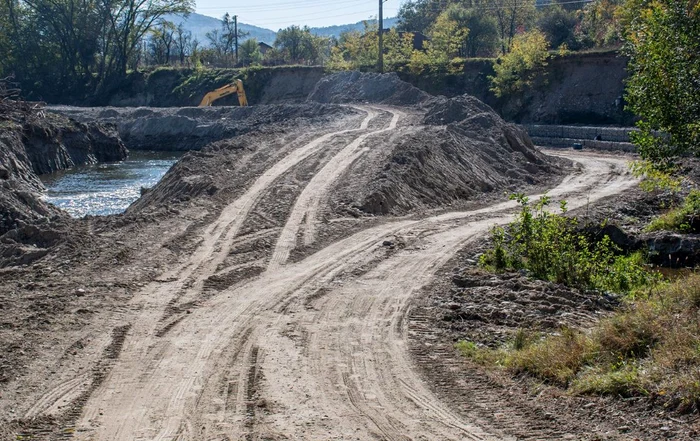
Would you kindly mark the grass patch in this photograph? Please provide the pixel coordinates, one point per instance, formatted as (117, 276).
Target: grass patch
(651, 347)
(683, 219)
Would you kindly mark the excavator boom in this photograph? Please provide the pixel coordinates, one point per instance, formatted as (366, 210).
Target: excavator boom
(221, 92)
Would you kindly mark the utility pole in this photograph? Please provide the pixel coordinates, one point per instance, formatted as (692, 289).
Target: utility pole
(380, 65)
(235, 30)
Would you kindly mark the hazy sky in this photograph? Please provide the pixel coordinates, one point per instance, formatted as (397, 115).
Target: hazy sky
(276, 14)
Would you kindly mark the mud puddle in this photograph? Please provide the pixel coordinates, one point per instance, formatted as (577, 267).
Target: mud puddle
(105, 189)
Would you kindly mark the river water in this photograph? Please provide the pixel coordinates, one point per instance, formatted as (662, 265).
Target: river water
(105, 189)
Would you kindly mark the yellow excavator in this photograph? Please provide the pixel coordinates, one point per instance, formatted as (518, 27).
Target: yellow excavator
(236, 87)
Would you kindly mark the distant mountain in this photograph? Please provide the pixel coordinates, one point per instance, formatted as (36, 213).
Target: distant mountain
(200, 24)
(335, 31)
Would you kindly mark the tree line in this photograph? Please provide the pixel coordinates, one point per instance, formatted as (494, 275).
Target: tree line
(68, 46)
(61, 48)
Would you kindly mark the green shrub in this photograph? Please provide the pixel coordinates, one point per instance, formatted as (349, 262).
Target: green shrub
(517, 69)
(550, 248)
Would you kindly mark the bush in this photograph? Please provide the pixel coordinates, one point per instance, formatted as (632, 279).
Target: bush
(517, 69)
(549, 247)
(558, 25)
(662, 41)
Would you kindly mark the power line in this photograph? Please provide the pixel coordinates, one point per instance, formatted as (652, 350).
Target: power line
(291, 19)
(321, 15)
(521, 6)
(285, 6)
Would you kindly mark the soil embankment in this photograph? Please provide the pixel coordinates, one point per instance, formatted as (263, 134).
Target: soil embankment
(186, 87)
(574, 89)
(568, 91)
(192, 128)
(37, 143)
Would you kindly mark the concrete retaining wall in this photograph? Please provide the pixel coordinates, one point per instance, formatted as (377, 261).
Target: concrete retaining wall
(599, 138)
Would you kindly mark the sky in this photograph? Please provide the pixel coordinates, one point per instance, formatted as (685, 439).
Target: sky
(276, 14)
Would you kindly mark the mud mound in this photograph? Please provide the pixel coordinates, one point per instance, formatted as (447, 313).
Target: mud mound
(349, 87)
(192, 128)
(463, 150)
(441, 110)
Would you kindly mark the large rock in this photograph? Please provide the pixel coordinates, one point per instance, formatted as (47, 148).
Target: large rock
(673, 250)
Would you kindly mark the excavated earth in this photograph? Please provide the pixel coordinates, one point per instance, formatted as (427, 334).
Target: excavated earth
(273, 285)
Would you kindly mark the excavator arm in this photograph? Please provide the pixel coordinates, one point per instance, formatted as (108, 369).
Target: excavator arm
(221, 92)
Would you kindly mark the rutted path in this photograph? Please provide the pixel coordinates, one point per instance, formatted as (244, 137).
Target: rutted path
(309, 350)
(306, 206)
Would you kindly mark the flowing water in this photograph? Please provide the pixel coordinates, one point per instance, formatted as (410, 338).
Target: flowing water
(104, 189)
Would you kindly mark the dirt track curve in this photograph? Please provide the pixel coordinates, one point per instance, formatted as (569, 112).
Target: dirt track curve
(312, 350)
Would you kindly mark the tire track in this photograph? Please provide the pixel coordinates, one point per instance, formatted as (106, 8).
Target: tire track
(357, 334)
(160, 388)
(307, 204)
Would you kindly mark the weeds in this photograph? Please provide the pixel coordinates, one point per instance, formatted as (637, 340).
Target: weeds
(683, 219)
(656, 176)
(550, 248)
(649, 348)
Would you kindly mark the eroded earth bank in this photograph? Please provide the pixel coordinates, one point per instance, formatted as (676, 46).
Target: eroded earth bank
(271, 285)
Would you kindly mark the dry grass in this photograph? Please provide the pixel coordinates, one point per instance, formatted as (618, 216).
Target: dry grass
(557, 358)
(650, 347)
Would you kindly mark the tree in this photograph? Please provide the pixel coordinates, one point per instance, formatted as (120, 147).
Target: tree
(518, 68)
(663, 42)
(510, 15)
(559, 26)
(250, 52)
(419, 15)
(162, 42)
(482, 38)
(183, 43)
(446, 40)
(7, 60)
(223, 41)
(357, 50)
(600, 25)
(399, 48)
(299, 45)
(128, 21)
(63, 33)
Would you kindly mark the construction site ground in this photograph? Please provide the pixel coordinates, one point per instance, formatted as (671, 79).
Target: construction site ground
(250, 297)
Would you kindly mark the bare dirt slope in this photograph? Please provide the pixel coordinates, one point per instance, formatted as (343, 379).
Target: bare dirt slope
(188, 318)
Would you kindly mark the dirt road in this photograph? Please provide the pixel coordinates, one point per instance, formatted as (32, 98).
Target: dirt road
(312, 350)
